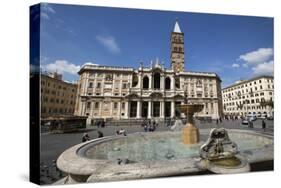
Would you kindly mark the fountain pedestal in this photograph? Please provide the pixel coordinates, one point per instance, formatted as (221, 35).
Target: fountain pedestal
(190, 134)
(190, 131)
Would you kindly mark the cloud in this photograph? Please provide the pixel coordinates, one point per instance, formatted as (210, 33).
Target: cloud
(46, 10)
(245, 65)
(266, 68)
(235, 65)
(90, 63)
(62, 66)
(45, 15)
(261, 55)
(45, 7)
(109, 42)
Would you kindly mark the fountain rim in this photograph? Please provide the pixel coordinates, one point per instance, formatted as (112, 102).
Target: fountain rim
(197, 107)
(87, 166)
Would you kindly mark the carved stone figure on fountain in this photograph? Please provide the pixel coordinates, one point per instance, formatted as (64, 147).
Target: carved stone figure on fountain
(218, 145)
(220, 155)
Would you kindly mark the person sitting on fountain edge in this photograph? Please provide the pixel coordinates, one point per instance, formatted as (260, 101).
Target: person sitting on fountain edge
(85, 137)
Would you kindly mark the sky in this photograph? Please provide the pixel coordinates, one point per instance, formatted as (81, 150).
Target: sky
(234, 47)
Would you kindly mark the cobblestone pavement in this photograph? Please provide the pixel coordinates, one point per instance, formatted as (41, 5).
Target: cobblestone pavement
(52, 145)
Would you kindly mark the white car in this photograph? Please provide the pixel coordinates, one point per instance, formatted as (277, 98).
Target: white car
(252, 118)
(245, 121)
(270, 118)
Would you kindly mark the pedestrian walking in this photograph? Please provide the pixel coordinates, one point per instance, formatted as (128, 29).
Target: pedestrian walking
(263, 125)
(169, 122)
(103, 124)
(145, 128)
(251, 124)
(154, 127)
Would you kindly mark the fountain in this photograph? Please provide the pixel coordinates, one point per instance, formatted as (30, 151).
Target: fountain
(169, 153)
(190, 131)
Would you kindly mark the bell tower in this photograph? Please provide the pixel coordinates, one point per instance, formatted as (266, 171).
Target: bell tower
(177, 49)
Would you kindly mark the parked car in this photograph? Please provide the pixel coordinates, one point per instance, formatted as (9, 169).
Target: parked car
(245, 121)
(262, 117)
(252, 118)
(270, 118)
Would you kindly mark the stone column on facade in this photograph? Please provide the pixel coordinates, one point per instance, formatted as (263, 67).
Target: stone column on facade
(215, 111)
(149, 110)
(172, 83)
(162, 84)
(87, 83)
(113, 86)
(216, 106)
(92, 110)
(183, 114)
(126, 109)
(100, 107)
(102, 83)
(83, 110)
(150, 81)
(119, 109)
(79, 103)
(139, 81)
(162, 106)
(111, 108)
(204, 108)
(138, 109)
(172, 109)
(84, 86)
(95, 83)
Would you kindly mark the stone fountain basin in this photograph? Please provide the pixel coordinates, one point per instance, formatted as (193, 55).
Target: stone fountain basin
(191, 108)
(149, 155)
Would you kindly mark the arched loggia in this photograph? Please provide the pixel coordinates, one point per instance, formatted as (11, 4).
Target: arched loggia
(145, 82)
(156, 80)
(167, 83)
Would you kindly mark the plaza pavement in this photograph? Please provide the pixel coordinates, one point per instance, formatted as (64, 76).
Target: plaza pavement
(52, 145)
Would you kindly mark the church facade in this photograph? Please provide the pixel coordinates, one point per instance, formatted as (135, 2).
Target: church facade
(147, 92)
